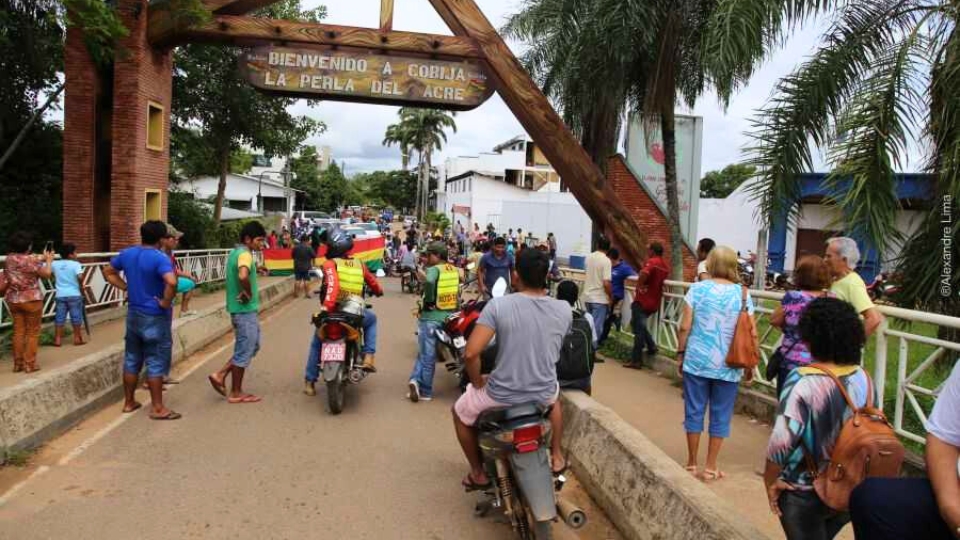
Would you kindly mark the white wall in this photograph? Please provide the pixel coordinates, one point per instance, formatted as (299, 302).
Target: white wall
(729, 222)
(238, 189)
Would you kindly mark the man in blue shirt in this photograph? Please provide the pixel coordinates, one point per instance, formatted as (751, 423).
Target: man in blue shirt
(620, 272)
(494, 265)
(151, 284)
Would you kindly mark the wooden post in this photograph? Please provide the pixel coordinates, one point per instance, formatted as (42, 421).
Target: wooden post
(386, 15)
(542, 122)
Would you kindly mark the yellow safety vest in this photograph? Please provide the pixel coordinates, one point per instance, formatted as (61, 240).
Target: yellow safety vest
(448, 288)
(350, 273)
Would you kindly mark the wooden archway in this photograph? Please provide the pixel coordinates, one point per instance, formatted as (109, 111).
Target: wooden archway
(153, 35)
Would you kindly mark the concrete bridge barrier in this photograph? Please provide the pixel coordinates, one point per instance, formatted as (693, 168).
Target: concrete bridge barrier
(41, 407)
(645, 493)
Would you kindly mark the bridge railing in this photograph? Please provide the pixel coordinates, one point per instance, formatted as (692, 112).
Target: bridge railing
(208, 265)
(904, 353)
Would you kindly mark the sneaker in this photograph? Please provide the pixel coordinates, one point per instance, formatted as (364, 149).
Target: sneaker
(426, 398)
(414, 393)
(309, 388)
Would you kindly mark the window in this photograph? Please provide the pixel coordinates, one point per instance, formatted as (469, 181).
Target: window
(151, 204)
(155, 118)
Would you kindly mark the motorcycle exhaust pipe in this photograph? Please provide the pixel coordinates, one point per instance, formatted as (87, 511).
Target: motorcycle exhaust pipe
(572, 515)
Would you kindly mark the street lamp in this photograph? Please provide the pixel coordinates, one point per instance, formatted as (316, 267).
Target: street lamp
(282, 173)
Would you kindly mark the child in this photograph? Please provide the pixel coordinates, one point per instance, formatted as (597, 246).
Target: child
(67, 272)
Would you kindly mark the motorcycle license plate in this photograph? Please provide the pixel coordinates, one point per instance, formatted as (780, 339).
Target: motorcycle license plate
(459, 342)
(333, 352)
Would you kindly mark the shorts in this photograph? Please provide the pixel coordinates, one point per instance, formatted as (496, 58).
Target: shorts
(301, 276)
(185, 285)
(474, 402)
(701, 393)
(246, 331)
(72, 305)
(147, 341)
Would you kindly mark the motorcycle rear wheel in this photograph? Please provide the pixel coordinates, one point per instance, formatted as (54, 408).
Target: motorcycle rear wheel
(335, 390)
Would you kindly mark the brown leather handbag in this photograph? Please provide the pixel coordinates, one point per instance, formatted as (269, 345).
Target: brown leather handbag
(744, 350)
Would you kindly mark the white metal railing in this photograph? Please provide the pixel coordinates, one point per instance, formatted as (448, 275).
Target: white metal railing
(915, 380)
(208, 265)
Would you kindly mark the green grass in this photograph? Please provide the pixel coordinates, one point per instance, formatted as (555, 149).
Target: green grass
(14, 458)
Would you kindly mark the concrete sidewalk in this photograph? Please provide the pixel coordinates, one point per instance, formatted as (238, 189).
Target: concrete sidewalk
(103, 335)
(653, 404)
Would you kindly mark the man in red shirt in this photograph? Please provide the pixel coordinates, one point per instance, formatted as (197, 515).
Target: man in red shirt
(344, 276)
(647, 302)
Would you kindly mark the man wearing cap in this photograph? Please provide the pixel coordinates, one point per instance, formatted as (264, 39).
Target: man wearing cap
(441, 293)
(186, 281)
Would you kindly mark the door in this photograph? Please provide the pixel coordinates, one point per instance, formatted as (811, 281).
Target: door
(812, 242)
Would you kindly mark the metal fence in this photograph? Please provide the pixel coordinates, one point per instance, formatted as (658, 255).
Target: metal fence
(917, 381)
(207, 265)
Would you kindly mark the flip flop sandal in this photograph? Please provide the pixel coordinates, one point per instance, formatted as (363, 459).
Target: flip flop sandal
(470, 485)
(135, 408)
(566, 465)
(712, 476)
(692, 469)
(245, 399)
(171, 415)
(218, 386)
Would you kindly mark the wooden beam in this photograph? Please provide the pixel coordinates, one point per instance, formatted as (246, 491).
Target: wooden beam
(251, 30)
(386, 15)
(547, 129)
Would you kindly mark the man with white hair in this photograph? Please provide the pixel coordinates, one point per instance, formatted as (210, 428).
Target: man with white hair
(842, 257)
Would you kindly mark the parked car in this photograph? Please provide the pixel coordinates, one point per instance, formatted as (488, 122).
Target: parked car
(314, 215)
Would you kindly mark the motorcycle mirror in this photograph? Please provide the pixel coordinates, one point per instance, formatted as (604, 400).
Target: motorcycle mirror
(499, 288)
(381, 273)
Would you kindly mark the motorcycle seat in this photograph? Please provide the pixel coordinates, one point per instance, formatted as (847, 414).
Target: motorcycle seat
(504, 417)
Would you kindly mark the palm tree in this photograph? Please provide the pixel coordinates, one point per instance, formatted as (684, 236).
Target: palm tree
(396, 134)
(423, 130)
(598, 58)
(888, 72)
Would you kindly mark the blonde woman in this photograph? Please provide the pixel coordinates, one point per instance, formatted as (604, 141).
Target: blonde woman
(709, 320)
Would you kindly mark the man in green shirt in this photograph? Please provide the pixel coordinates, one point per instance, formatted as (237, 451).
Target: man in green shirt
(842, 257)
(440, 298)
(243, 303)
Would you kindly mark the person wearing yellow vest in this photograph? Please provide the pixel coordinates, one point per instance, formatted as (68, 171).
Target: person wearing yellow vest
(343, 277)
(441, 293)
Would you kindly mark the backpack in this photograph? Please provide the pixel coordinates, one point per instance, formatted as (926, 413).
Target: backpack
(577, 355)
(866, 447)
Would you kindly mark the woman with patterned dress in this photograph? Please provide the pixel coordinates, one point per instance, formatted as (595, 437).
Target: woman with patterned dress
(25, 299)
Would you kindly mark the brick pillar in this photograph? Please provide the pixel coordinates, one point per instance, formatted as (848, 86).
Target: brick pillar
(79, 144)
(142, 75)
(645, 212)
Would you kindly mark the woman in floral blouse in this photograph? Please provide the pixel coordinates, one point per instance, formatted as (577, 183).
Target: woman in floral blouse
(25, 299)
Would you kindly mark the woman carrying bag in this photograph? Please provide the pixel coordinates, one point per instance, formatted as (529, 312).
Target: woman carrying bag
(717, 322)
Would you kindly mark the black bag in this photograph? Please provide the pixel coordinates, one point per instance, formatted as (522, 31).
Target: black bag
(577, 355)
(776, 360)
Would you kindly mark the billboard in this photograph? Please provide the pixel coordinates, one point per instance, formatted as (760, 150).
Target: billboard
(645, 156)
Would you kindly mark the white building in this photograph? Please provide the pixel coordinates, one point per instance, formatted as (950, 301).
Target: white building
(514, 187)
(243, 193)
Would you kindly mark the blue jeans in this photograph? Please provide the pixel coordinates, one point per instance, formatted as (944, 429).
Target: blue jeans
(805, 517)
(71, 304)
(641, 335)
(702, 392)
(312, 372)
(599, 313)
(246, 332)
(147, 339)
(427, 358)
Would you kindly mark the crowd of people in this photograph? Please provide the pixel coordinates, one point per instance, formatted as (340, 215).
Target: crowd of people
(817, 367)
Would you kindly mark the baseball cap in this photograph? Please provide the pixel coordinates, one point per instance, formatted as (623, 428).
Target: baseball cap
(172, 231)
(437, 248)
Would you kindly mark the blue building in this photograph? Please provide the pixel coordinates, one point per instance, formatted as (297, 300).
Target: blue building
(818, 222)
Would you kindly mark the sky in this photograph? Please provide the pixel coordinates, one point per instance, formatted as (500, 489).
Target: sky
(355, 131)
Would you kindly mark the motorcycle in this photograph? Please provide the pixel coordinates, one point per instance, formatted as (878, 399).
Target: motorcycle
(452, 339)
(881, 288)
(745, 269)
(341, 335)
(776, 280)
(514, 444)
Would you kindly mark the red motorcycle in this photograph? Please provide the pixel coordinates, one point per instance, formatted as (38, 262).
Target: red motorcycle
(453, 336)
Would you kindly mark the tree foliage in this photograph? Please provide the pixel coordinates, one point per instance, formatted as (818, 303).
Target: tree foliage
(192, 217)
(306, 178)
(210, 94)
(332, 192)
(720, 184)
(887, 73)
(423, 130)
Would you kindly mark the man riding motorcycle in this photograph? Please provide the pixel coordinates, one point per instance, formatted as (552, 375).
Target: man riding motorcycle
(343, 276)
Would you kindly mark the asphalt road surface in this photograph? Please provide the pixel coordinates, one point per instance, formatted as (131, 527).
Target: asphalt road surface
(280, 469)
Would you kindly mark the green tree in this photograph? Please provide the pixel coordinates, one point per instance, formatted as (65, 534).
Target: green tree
(720, 184)
(241, 161)
(888, 72)
(332, 192)
(425, 131)
(208, 91)
(190, 216)
(399, 134)
(306, 177)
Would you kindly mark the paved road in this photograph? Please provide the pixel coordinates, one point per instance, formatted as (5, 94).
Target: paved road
(283, 468)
